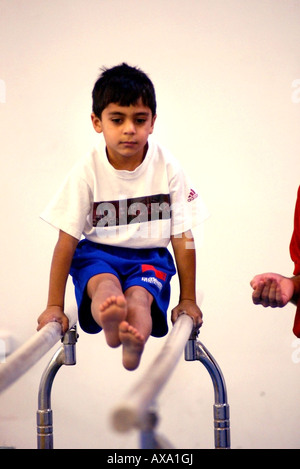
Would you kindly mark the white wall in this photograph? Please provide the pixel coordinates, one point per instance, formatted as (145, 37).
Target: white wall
(228, 107)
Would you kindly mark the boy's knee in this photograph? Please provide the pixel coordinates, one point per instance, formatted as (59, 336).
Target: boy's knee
(100, 279)
(137, 294)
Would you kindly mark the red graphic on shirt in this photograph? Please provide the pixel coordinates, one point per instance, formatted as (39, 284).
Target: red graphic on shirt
(158, 273)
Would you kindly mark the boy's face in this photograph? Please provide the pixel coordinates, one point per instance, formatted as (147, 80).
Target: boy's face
(126, 131)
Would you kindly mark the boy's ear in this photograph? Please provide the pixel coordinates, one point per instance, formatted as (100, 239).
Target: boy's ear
(152, 124)
(96, 123)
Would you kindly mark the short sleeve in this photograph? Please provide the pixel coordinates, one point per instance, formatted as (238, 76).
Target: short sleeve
(187, 206)
(69, 208)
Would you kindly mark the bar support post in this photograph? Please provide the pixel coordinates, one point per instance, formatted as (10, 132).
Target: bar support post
(195, 350)
(65, 355)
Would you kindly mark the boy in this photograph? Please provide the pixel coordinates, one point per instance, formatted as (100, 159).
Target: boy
(128, 198)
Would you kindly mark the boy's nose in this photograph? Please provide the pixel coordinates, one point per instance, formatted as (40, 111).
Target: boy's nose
(129, 127)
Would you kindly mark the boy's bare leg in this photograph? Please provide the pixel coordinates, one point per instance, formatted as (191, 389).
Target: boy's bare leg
(108, 306)
(135, 330)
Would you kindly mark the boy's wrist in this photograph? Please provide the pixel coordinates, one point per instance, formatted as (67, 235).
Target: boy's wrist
(55, 306)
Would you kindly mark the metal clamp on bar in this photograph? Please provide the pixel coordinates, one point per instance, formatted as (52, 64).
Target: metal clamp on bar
(20, 361)
(28, 354)
(65, 355)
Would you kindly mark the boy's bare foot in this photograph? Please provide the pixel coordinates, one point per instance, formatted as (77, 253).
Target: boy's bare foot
(112, 312)
(133, 345)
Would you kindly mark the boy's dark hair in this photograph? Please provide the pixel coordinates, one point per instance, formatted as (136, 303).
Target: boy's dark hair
(123, 85)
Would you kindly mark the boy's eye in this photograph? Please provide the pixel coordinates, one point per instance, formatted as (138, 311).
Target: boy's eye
(119, 120)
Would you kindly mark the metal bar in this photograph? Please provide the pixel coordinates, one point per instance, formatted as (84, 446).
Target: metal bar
(29, 353)
(132, 412)
(195, 350)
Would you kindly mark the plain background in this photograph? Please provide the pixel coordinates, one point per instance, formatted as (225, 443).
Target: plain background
(227, 78)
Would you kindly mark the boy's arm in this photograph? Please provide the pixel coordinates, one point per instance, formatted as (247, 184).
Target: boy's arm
(60, 268)
(185, 257)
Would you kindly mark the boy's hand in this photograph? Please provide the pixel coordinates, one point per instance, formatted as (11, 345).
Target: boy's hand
(191, 309)
(272, 290)
(54, 314)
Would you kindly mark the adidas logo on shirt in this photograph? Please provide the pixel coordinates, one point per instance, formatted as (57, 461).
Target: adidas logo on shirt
(192, 195)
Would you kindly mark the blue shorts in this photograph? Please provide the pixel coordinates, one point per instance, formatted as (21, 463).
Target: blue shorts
(151, 269)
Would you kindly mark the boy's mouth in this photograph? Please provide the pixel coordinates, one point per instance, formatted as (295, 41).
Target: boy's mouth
(129, 143)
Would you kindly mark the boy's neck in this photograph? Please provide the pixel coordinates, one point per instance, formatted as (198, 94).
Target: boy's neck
(126, 163)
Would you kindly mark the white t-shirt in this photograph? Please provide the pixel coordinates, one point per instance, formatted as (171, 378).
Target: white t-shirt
(136, 209)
